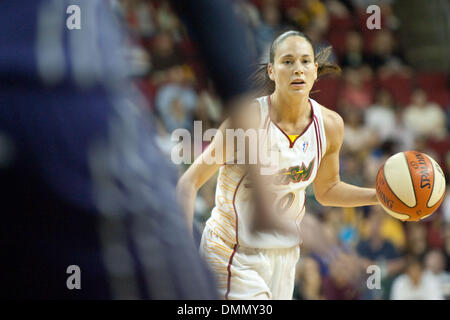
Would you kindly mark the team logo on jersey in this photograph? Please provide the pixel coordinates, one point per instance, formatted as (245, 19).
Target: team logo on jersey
(294, 174)
(305, 146)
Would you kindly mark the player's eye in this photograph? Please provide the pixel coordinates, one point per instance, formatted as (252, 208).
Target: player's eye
(287, 62)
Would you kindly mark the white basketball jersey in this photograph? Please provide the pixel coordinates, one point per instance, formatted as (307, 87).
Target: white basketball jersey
(296, 168)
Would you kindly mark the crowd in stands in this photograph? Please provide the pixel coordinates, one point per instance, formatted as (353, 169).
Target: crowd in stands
(387, 104)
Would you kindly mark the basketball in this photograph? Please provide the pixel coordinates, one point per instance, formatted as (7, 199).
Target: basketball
(410, 186)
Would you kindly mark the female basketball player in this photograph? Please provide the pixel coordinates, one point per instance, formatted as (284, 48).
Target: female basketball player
(307, 137)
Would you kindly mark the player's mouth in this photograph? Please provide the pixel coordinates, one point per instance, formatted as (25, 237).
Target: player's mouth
(298, 83)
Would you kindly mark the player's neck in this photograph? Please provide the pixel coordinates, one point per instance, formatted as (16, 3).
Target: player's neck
(287, 109)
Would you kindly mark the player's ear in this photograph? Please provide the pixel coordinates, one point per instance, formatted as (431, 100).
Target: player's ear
(317, 70)
(270, 72)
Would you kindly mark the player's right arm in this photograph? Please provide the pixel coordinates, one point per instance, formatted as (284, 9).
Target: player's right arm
(200, 172)
(215, 155)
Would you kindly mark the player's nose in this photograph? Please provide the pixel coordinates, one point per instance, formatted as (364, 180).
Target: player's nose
(298, 68)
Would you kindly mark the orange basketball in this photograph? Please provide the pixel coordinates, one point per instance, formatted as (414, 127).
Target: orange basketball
(410, 186)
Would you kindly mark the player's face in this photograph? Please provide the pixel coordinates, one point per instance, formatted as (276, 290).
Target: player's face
(294, 70)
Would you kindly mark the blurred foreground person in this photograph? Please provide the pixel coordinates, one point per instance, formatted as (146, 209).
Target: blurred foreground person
(89, 208)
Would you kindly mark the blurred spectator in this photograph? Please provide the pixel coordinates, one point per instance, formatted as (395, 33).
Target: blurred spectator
(146, 25)
(209, 109)
(383, 54)
(435, 231)
(163, 139)
(356, 92)
(351, 168)
(251, 17)
(363, 4)
(164, 54)
(307, 11)
(341, 282)
(380, 117)
(341, 229)
(416, 234)
(167, 20)
(175, 101)
(415, 284)
(424, 118)
(392, 229)
(353, 55)
(340, 9)
(309, 281)
(446, 205)
(375, 160)
(447, 245)
(269, 27)
(357, 137)
(402, 136)
(316, 35)
(375, 250)
(435, 265)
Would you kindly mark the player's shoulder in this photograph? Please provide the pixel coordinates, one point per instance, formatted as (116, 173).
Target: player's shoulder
(254, 106)
(251, 112)
(332, 121)
(246, 113)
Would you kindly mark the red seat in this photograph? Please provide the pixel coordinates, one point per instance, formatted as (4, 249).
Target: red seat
(399, 86)
(441, 97)
(188, 48)
(432, 80)
(325, 91)
(343, 24)
(337, 39)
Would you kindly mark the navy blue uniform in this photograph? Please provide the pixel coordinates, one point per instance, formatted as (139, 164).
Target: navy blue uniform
(224, 43)
(82, 181)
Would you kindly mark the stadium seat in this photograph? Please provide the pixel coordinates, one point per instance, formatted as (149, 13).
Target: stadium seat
(343, 24)
(440, 96)
(325, 91)
(432, 80)
(337, 39)
(399, 86)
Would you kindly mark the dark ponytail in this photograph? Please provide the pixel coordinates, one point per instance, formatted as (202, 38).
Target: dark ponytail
(264, 85)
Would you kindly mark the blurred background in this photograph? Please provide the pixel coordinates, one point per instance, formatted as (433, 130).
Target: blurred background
(393, 94)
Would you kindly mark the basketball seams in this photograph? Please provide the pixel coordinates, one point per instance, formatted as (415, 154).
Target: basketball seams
(434, 182)
(439, 201)
(390, 190)
(412, 180)
(393, 193)
(422, 200)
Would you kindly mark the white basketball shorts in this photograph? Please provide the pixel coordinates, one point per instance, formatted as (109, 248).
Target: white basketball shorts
(250, 273)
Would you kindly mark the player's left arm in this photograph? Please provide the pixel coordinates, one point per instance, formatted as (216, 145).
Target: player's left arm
(328, 187)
